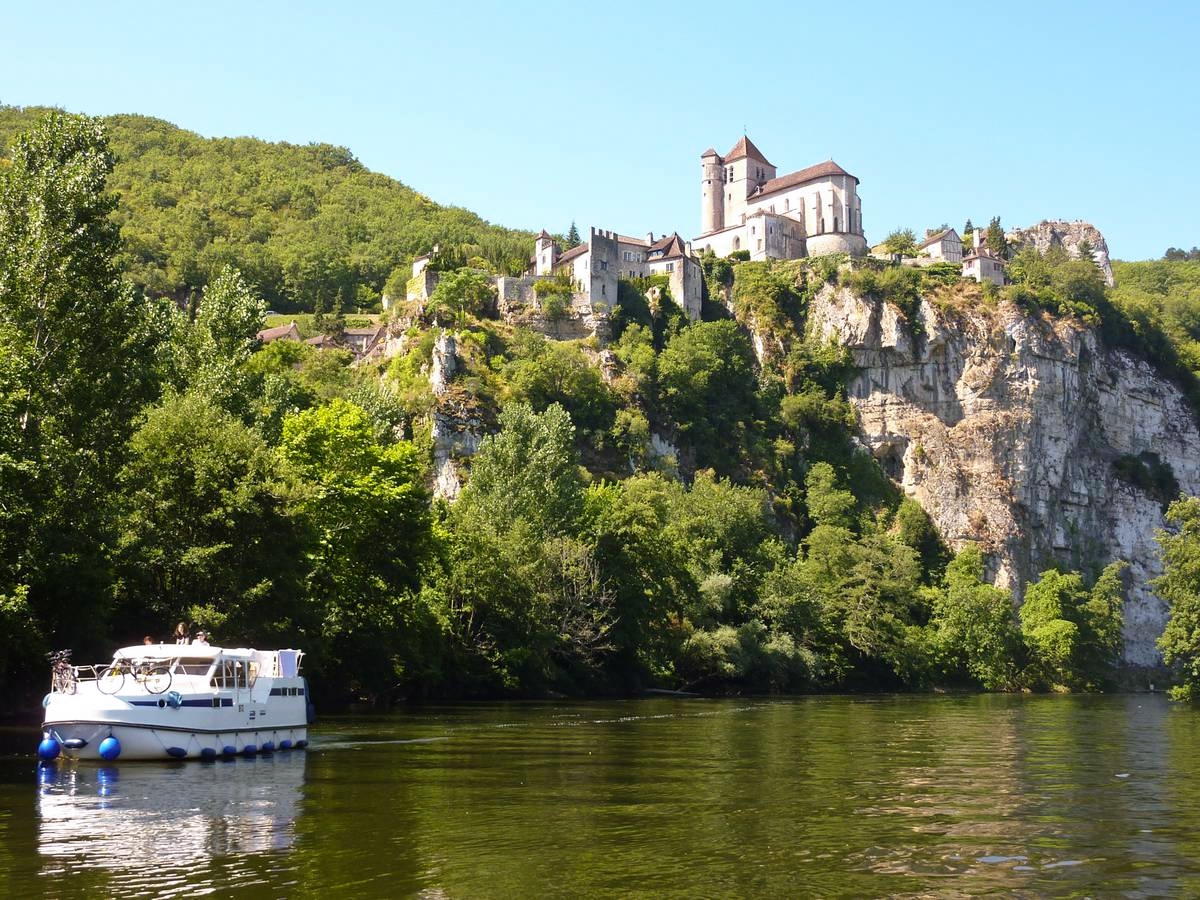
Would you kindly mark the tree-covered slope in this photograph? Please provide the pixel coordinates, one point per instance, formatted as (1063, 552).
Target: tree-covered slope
(310, 226)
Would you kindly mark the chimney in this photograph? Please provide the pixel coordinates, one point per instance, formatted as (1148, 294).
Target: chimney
(649, 237)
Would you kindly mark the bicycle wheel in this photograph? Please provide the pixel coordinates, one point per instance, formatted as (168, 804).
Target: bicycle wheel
(157, 680)
(110, 681)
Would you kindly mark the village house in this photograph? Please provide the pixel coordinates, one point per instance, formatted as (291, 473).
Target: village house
(944, 245)
(287, 332)
(746, 205)
(983, 265)
(596, 265)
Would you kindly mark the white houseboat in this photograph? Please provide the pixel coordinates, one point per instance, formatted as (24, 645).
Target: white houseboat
(181, 701)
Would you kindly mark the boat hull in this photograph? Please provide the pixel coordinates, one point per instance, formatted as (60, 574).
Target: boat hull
(82, 740)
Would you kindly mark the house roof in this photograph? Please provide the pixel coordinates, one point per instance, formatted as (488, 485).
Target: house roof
(279, 331)
(572, 253)
(812, 173)
(745, 148)
(542, 234)
(984, 253)
(709, 152)
(320, 340)
(626, 239)
(934, 238)
(669, 247)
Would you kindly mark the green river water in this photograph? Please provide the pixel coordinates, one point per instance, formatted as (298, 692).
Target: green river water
(864, 796)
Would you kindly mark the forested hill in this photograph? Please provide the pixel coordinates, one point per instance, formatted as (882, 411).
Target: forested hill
(310, 226)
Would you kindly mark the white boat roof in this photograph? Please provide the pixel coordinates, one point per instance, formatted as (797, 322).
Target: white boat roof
(193, 651)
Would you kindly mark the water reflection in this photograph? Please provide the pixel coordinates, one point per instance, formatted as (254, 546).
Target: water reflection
(157, 821)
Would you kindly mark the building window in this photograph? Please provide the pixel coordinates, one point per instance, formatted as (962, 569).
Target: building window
(770, 229)
(670, 267)
(760, 243)
(752, 229)
(628, 256)
(604, 265)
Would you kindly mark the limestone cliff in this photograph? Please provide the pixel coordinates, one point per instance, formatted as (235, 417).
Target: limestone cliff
(1068, 235)
(1008, 429)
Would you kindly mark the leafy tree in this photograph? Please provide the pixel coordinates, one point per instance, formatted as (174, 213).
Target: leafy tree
(1179, 586)
(828, 504)
(205, 529)
(76, 363)
(546, 372)
(461, 294)
(902, 242)
(975, 630)
(1073, 637)
(707, 387)
(369, 513)
(528, 471)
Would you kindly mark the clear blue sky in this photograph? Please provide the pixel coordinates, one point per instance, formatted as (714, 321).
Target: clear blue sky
(534, 115)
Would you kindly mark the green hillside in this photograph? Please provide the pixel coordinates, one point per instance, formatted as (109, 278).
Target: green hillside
(310, 226)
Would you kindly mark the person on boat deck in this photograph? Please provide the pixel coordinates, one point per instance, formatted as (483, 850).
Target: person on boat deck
(201, 638)
(147, 640)
(181, 633)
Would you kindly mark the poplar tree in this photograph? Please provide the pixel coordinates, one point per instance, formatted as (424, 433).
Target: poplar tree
(76, 348)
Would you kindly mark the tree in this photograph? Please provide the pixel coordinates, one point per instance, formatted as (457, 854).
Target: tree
(995, 239)
(828, 504)
(975, 630)
(528, 471)
(461, 294)
(707, 387)
(901, 242)
(573, 236)
(205, 529)
(968, 230)
(1179, 586)
(369, 513)
(76, 364)
(548, 372)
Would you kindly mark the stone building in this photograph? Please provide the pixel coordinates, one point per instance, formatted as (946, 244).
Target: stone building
(945, 245)
(983, 265)
(596, 265)
(746, 205)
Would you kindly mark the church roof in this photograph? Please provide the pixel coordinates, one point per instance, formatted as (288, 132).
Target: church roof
(709, 152)
(745, 147)
(542, 234)
(812, 173)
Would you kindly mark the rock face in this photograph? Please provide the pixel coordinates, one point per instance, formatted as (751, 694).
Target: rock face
(1007, 429)
(1069, 235)
(456, 429)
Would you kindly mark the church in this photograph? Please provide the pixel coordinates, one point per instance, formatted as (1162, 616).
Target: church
(746, 205)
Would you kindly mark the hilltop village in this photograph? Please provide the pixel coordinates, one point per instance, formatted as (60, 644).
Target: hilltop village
(748, 212)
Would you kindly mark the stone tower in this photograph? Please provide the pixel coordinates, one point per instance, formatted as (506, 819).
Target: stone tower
(545, 254)
(712, 192)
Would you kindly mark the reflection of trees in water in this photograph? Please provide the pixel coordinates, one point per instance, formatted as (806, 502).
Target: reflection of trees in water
(148, 823)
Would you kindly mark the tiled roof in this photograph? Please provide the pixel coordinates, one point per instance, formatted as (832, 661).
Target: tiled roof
(934, 238)
(542, 234)
(626, 239)
(745, 147)
(668, 247)
(709, 152)
(273, 334)
(812, 173)
(572, 253)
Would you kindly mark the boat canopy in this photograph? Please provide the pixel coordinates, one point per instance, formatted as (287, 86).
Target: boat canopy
(192, 651)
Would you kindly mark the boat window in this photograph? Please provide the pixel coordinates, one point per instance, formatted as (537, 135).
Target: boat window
(192, 666)
(230, 673)
(253, 672)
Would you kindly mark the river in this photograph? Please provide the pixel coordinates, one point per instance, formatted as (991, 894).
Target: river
(863, 796)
